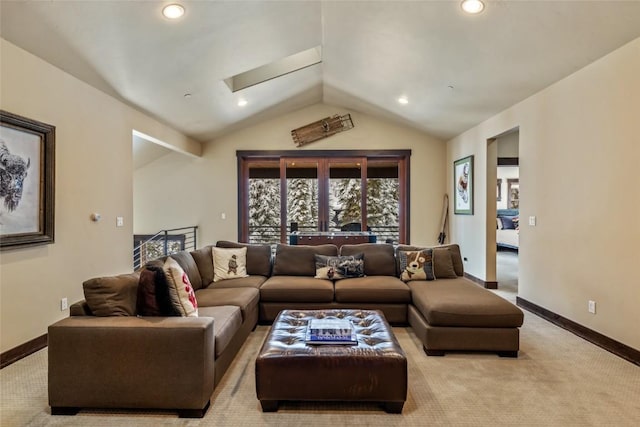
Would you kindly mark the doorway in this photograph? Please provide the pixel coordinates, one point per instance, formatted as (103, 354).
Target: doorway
(504, 212)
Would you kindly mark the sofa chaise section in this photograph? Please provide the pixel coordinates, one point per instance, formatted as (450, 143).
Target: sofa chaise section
(453, 313)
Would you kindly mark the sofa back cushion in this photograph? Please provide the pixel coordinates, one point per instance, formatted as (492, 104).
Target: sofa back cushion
(379, 259)
(204, 261)
(258, 257)
(442, 266)
(188, 264)
(113, 295)
(300, 260)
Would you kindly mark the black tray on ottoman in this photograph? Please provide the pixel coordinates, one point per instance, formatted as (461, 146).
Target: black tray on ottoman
(375, 370)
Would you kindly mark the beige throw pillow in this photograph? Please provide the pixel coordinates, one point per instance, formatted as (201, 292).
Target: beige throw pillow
(180, 290)
(229, 263)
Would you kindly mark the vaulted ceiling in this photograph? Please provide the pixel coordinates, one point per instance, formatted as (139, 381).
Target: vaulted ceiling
(456, 70)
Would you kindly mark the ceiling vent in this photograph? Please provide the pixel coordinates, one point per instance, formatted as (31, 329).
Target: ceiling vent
(284, 66)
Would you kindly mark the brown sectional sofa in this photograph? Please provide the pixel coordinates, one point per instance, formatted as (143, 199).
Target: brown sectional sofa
(110, 358)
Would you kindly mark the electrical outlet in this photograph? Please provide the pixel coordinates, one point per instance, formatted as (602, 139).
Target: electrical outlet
(64, 304)
(592, 307)
(223, 215)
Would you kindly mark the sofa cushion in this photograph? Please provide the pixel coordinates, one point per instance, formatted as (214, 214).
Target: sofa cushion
(372, 289)
(258, 257)
(459, 302)
(188, 264)
(241, 282)
(416, 265)
(153, 292)
(296, 289)
(227, 320)
(112, 295)
(339, 267)
(379, 259)
(204, 260)
(443, 264)
(229, 263)
(299, 260)
(245, 298)
(180, 291)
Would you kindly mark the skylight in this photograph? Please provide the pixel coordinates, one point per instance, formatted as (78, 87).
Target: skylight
(278, 68)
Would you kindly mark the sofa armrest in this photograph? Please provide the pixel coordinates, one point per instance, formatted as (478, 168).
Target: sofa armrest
(131, 362)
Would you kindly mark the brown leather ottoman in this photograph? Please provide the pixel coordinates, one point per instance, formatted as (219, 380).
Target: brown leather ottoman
(375, 370)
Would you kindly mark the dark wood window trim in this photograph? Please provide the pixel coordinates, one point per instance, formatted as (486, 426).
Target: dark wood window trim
(246, 156)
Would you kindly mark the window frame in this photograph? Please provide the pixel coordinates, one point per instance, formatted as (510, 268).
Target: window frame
(246, 157)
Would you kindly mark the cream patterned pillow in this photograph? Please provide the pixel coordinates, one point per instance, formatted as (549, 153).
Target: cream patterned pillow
(181, 292)
(229, 263)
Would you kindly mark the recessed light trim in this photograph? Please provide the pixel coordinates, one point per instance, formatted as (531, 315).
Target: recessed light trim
(472, 6)
(403, 100)
(173, 11)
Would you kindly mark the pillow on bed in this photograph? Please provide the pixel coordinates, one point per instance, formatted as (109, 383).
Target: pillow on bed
(508, 222)
(499, 223)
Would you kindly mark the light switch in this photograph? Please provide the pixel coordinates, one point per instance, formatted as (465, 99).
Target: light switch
(532, 221)
(119, 221)
(223, 215)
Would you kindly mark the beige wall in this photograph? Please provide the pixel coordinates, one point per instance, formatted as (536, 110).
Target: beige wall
(204, 188)
(93, 174)
(508, 145)
(579, 152)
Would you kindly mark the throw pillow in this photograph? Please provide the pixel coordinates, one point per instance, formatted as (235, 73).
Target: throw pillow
(416, 265)
(443, 264)
(507, 222)
(499, 223)
(180, 290)
(153, 292)
(229, 263)
(112, 295)
(339, 267)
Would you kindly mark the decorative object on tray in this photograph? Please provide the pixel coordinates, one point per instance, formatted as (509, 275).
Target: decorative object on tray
(27, 174)
(321, 129)
(330, 331)
(463, 186)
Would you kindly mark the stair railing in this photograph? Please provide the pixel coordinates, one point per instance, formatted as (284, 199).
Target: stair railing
(147, 247)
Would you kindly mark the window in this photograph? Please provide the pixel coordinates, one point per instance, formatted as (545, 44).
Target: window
(281, 192)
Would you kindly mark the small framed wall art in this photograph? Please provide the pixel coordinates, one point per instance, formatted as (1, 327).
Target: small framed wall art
(27, 174)
(463, 186)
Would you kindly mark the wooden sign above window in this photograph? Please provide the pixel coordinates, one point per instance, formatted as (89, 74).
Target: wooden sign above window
(321, 129)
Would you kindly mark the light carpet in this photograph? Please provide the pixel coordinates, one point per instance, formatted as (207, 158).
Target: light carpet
(558, 380)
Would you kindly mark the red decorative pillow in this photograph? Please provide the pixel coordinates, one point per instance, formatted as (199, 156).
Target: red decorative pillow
(181, 292)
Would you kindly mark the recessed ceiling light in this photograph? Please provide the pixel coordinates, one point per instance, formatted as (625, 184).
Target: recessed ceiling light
(472, 6)
(173, 11)
(242, 102)
(403, 100)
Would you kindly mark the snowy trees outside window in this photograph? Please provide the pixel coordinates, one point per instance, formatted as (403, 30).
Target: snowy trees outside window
(341, 207)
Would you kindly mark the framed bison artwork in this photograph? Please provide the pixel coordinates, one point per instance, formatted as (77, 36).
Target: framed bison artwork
(463, 186)
(27, 174)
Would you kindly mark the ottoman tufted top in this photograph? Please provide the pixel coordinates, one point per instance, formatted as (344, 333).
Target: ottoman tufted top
(287, 336)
